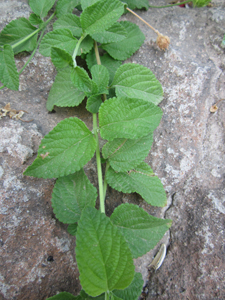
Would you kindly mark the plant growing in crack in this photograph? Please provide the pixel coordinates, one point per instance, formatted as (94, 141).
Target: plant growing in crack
(123, 101)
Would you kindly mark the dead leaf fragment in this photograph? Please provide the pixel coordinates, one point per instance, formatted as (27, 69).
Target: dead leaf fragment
(44, 155)
(12, 113)
(213, 108)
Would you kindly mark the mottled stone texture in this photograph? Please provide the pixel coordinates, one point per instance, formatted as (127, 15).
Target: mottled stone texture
(37, 256)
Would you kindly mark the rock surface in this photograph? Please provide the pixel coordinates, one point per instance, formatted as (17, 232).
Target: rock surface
(37, 256)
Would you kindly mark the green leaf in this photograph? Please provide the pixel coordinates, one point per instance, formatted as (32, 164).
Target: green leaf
(100, 76)
(142, 181)
(133, 291)
(114, 297)
(111, 64)
(125, 48)
(141, 230)
(127, 118)
(126, 154)
(65, 296)
(62, 38)
(115, 33)
(14, 34)
(93, 103)
(8, 71)
(41, 7)
(63, 92)
(132, 4)
(137, 81)
(60, 58)
(71, 194)
(35, 20)
(81, 80)
(66, 6)
(101, 15)
(201, 3)
(72, 229)
(86, 45)
(103, 257)
(86, 3)
(71, 22)
(65, 150)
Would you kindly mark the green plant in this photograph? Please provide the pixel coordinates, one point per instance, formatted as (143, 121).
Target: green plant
(123, 100)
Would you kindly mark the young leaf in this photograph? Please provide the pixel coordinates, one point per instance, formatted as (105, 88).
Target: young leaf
(126, 154)
(15, 32)
(8, 71)
(142, 181)
(62, 38)
(81, 80)
(111, 64)
(63, 92)
(127, 118)
(126, 47)
(103, 256)
(133, 291)
(35, 20)
(60, 58)
(137, 81)
(72, 229)
(41, 7)
(65, 150)
(93, 103)
(65, 296)
(115, 33)
(86, 45)
(100, 76)
(132, 4)
(141, 230)
(101, 15)
(71, 194)
(71, 22)
(66, 6)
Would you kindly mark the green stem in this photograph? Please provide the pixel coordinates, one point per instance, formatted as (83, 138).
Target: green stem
(76, 50)
(98, 61)
(99, 166)
(170, 5)
(105, 181)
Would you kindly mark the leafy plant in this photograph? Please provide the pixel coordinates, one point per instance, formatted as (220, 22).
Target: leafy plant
(123, 99)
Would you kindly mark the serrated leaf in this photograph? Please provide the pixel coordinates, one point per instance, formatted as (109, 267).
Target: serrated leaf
(125, 48)
(115, 33)
(93, 103)
(71, 194)
(133, 291)
(141, 230)
(63, 93)
(60, 58)
(8, 72)
(72, 229)
(127, 118)
(136, 81)
(142, 181)
(114, 297)
(35, 20)
(65, 296)
(126, 154)
(100, 76)
(103, 256)
(111, 64)
(41, 7)
(66, 6)
(86, 45)
(140, 4)
(71, 22)
(62, 38)
(64, 150)
(101, 15)
(86, 3)
(15, 32)
(82, 81)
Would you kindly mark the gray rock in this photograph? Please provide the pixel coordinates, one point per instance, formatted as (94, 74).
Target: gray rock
(37, 257)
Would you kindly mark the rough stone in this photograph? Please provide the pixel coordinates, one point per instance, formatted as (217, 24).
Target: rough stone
(37, 257)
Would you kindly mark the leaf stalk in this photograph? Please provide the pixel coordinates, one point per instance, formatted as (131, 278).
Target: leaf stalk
(170, 5)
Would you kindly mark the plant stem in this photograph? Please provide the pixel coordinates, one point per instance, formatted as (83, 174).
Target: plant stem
(156, 31)
(99, 166)
(105, 181)
(170, 5)
(98, 61)
(76, 50)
